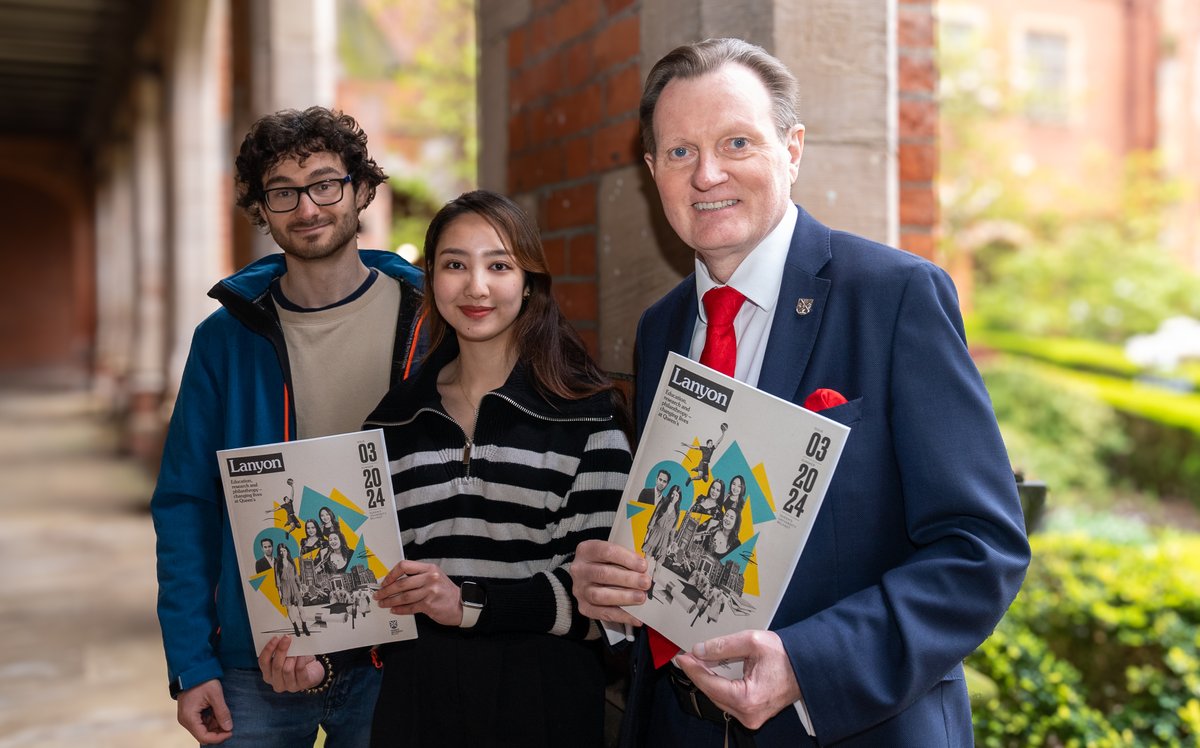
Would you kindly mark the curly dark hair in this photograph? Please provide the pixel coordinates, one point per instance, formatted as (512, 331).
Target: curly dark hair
(291, 133)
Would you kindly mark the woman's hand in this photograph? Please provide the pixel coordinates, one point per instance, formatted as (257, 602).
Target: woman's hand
(605, 576)
(415, 587)
(285, 673)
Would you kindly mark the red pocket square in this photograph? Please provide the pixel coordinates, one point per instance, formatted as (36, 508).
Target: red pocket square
(824, 398)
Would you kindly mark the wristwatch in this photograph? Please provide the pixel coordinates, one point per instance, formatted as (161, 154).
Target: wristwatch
(474, 597)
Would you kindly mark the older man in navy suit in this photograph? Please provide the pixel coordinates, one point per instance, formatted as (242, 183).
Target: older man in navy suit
(919, 546)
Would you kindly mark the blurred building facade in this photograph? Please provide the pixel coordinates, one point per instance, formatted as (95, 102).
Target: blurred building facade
(1077, 86)
(120, 199)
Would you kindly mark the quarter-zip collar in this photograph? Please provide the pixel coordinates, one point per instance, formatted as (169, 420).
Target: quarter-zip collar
(406, 399)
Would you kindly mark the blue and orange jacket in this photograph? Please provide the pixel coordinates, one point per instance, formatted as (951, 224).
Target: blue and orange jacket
(236, 391)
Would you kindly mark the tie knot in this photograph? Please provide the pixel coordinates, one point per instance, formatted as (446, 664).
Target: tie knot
(721, 304)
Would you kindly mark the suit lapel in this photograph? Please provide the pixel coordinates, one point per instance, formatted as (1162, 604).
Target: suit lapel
(799, 310)
(681, 322)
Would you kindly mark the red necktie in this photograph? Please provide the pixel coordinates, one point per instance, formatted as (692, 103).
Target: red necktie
(721, 304)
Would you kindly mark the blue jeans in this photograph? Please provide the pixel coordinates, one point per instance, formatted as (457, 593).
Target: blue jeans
(265, 719)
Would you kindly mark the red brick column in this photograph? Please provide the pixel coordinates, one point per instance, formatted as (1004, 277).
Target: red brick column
(574, 86)
(918, 127)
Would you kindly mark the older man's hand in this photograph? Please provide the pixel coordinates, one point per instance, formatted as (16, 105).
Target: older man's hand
(767, 685)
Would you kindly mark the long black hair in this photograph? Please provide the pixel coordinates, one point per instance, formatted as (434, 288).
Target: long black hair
(545, 341)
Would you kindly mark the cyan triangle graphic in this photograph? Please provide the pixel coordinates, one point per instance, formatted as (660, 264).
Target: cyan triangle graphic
(732, 463)
(311, 502)
(632, 510)
(741, 555)
(256, 582)
(359, 557)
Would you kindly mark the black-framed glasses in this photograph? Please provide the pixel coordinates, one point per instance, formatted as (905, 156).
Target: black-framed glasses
(325, 192)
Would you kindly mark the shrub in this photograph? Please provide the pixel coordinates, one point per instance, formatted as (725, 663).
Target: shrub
(1053, 434)
(1101, 647)
(1166, 459)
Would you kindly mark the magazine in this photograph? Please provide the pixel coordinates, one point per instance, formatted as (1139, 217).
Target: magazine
(314, 526)
(725, 487)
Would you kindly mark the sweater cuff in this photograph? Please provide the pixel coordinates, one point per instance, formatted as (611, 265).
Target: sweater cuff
(527, 605)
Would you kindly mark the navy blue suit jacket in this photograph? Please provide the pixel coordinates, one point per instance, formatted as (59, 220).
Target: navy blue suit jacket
(920, 545)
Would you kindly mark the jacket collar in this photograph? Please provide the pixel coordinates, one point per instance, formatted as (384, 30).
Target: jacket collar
(252, 281)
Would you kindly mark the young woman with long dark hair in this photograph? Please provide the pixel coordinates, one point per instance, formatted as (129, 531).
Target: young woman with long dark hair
(508, 449)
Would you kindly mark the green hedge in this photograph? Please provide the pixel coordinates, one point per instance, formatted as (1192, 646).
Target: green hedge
(1067, 439)
(1101, 648)
(1163, 428)
(1155, 446)
(1073, 353)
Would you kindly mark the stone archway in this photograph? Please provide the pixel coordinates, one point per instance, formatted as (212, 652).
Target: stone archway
(45, 289)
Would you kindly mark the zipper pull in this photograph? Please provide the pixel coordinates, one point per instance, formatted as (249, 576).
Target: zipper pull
(467, 455)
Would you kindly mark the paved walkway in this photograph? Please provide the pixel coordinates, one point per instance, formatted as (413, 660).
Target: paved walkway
(80, 654)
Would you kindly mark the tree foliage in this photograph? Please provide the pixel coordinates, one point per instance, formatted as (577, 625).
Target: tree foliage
(422, 61)
(1051, 257)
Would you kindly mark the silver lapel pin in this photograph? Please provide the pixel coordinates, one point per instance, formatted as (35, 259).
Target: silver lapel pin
(803, 306)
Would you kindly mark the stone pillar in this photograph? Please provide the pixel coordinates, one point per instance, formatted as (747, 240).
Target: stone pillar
(148, 376)
(200, 190)
(115, 273)
(843, 53)
(294, 65)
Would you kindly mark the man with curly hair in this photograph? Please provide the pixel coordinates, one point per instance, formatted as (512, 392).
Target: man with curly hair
(294, 352)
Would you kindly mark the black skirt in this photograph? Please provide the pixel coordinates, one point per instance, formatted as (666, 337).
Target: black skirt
(456, 688)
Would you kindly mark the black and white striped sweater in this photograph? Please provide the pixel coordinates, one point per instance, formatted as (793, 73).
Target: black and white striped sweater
(508, 507)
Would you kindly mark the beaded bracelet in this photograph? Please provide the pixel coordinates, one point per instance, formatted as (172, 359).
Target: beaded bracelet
(324, 684)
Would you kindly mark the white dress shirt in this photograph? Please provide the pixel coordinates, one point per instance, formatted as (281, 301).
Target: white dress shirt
(758, 278)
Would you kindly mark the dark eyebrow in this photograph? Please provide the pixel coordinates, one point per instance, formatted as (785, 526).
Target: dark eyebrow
(499, 252)
(317, 175)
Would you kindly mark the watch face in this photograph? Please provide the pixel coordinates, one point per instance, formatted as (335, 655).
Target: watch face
(473, 594)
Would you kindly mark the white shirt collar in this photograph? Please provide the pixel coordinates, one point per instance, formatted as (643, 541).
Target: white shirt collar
(760, 275)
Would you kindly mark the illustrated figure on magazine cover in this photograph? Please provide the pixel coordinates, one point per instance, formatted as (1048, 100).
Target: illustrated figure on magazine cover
(305, 344)
(653, 495)
(312, 543)
(865, 648)
(263, 562)
(720, 534)
(661, 529)
(736, 498)
(288, 505)
(336, 555)
(712, 499)
(328, 524)
(701, 471)
(287, 581)
(507, 450)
